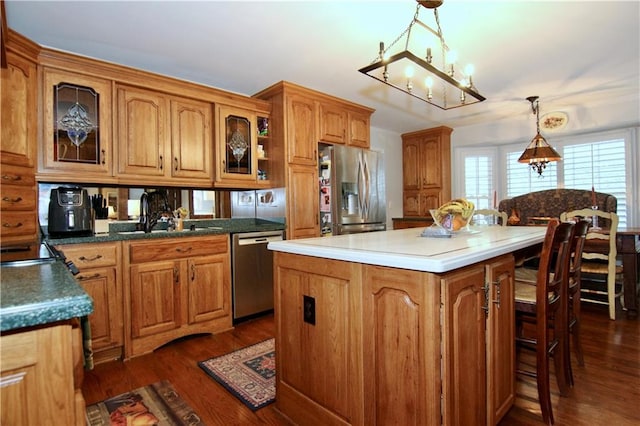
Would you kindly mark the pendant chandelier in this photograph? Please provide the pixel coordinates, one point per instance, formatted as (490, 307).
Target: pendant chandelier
(538, 153)
(430, 75)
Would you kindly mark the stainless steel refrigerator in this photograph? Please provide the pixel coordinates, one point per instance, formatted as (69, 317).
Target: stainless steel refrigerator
(352, 190)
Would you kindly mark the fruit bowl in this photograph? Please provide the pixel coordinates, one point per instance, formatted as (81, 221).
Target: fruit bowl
(454, 215)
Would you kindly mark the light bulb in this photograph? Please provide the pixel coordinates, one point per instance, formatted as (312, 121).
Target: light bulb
(408, 72)
(428, 82)
(469, 69)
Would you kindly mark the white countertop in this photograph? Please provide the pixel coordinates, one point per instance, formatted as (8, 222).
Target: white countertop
(406, 249)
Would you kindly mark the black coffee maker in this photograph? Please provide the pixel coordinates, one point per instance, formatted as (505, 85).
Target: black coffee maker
(70, 213)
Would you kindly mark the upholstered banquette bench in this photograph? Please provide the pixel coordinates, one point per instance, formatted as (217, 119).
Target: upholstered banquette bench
(536, 207)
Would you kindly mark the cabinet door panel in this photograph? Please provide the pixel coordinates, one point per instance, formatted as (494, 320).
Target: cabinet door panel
(464, 347)
(431, 163)
(401, 336)
(18, 107)
(155, 296)
(106, 319)
(303, 220)
(501, 358)
(142, 132)
(236, 134)
(209, 288)
(95, 155)
(411, 166)
(302, 133)
(359, 130)
(333, 123)
(191, 139)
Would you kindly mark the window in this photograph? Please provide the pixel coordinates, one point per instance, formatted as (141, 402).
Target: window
(478, 180)
(605, 161)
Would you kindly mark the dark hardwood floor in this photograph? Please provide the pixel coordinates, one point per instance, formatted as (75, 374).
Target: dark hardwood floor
(606, 391)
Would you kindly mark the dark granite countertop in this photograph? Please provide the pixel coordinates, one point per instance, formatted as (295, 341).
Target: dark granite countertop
(119, 231)
(40, 294)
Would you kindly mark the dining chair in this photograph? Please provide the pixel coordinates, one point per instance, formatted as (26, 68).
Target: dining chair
(541, 313)
(499, 218)
(599, 256)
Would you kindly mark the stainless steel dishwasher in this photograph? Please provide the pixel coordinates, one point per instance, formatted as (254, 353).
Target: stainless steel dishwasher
(252, 273)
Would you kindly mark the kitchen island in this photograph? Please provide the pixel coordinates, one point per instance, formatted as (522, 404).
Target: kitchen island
(393, 328)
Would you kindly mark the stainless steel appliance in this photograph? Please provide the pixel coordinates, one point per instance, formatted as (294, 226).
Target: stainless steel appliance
(70, 212)
(252, 273)
(352, 190)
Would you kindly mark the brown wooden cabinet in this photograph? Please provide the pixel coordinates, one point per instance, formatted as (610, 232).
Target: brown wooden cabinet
(359, 129)
(100, 276)
(442, 344)
(302, 133)
(175, 288)
(236, 161)
(37, 377)
(426, 170)
(18, 137)
(163, 136)
(303, 205)
(333, 123)
(60, 157)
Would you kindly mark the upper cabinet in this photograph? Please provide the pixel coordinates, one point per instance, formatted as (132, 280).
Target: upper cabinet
(333, 123)
(163, 136)
(359, 129)
(301, 133)
(77, 127)
(236, 159)
(426, 170)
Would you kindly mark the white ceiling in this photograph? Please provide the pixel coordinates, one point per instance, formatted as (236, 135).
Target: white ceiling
(570, 53)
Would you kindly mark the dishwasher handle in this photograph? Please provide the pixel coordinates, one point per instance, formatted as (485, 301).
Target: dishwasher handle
(249, 239)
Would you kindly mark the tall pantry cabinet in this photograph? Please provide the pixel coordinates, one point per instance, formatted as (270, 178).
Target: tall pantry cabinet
(426, 170)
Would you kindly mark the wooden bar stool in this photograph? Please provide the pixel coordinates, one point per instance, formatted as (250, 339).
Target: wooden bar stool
(543, 305)
(573, 293)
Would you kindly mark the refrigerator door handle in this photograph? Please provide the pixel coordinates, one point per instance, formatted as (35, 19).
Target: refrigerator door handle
(363, 185)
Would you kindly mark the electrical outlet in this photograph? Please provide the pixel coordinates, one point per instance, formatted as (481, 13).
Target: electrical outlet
(309, 310)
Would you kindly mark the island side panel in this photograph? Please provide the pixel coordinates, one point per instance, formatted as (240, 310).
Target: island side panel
(401, 315)
(319, 366)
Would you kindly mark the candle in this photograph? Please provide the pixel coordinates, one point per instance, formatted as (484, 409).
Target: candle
(593, 197)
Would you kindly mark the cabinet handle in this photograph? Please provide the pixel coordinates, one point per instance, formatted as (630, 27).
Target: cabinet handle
(104, 154)
(161, 162)
(8, 225)
(193, 272)
(90, 259)
(88, 277)
(184, 250)
(13, 178)
(12, 200)
(176, 275)
(175, 159)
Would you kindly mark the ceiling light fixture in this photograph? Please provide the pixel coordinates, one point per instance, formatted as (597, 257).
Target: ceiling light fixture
(415, 74)
(538, 153)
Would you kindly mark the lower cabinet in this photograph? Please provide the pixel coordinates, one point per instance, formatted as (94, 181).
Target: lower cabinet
(41, 376)
(441, 344)
(173, 288)
(101, 278)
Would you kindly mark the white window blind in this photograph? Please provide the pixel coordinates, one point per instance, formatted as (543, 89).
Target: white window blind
(478, 180)
(600, 165)
(521, 179)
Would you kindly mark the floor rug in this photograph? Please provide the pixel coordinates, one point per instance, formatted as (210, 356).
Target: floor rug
(248, 373)
(157, 404)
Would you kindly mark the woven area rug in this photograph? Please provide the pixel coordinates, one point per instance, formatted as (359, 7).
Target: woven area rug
(248, 373)
(157, 404)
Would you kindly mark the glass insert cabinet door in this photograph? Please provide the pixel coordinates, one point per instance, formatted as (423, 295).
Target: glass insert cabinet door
(77, 117)
(238, 158)
(76, 138)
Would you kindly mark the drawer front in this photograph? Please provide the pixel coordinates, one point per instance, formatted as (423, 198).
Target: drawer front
(18, 223)
(86, 256)
(179, 248)
(15, 175)
(14, 197)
